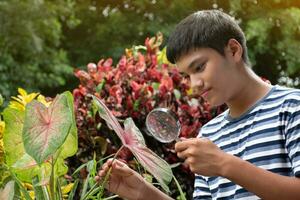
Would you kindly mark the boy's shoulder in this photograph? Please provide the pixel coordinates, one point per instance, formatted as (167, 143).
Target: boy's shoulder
(286, 90)
(287, 95)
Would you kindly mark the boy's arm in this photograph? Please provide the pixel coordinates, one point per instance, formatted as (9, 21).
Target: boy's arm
(205, 158)
(150, 192)
(263, 183)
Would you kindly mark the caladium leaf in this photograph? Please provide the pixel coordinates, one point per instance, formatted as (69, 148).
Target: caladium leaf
(23, 165)
(158, 167)
(70, 146)
(46, 128)
(12, 136)
(25, 162)
(15, 156)
(111, 121)
(133, 132)
(133, 139)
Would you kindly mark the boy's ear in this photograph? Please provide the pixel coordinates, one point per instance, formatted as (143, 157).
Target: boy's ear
(234, 49)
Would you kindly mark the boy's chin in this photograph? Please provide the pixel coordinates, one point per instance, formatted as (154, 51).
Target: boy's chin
(213, 103)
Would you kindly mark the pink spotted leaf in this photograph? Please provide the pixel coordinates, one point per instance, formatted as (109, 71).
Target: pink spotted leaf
(133, 139)
(46, 128)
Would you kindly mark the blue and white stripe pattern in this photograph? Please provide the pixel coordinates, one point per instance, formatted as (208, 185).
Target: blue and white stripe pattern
(268, 136)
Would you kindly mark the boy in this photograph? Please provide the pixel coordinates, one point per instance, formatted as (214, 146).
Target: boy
(252, 150)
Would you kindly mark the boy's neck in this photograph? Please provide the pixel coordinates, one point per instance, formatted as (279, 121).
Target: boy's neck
(251, 90)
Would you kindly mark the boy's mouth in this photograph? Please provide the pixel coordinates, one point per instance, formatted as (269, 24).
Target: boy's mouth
(205, 93)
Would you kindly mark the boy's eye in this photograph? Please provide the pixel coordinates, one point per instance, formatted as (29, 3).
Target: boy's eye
(200, 67)
(183, 74)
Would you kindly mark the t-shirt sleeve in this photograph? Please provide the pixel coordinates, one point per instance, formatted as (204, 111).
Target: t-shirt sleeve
(201, 189)
(291, 116)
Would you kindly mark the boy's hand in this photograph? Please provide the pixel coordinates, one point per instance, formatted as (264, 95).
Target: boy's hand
(202, 156)
(122, 180)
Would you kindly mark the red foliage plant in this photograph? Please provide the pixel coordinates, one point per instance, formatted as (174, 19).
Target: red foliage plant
(140, 82)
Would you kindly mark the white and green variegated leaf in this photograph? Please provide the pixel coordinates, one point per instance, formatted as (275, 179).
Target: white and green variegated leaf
(158, 167)
(70, 146)
(133, 139)
(22, 164)
(155, 165)
(15, 156)
(46, 129)
(110, 119)
(133, 132)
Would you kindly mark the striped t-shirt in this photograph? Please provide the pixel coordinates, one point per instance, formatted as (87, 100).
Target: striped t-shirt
(267, 135)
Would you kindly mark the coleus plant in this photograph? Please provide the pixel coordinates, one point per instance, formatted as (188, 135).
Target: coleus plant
(133, 139)
(142, 80)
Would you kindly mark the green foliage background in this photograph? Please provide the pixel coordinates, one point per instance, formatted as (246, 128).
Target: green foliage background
(42, 41)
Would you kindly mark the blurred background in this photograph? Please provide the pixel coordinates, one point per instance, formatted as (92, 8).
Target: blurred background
(43, 41)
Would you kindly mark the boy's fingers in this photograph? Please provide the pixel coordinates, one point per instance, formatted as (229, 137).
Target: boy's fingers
(184, 144)
(181, 146)
(118, 168)
(102, 173)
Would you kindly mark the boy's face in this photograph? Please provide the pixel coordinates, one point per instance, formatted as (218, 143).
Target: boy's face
(212, 75)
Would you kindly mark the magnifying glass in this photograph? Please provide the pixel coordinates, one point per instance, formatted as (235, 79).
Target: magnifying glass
(163, 125)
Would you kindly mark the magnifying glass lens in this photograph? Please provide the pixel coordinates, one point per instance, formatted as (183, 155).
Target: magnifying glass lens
(163, 125)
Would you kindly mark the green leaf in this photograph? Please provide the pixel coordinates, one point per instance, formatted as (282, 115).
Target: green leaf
(16, 158)
(177, 94)
(5, 176)
(136, 105)
(100, 86)
(12, 136)
(59, 194)
(21, 187)
(21, 163)
(1, 100)
(70, 145)
(38, 190)
(46, 129)
(181, 196)
(155, 85)
(73, 191)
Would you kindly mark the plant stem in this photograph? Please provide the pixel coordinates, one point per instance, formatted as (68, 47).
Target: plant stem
(90, 192)
(182, 196)
(109, 170)
(111, 197)
(52, 183)
(101, 187)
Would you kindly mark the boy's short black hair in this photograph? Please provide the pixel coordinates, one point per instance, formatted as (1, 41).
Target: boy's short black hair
(208, 29)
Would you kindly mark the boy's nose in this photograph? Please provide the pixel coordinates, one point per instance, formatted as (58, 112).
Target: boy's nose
(196, 82)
